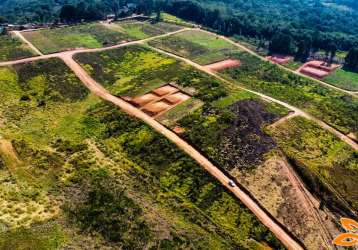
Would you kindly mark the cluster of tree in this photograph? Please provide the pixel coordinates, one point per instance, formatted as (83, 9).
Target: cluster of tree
(351, 62)
(242, 20)
(48, 11)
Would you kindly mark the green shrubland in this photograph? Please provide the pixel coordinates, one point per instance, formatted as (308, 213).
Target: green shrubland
(11, 48)
(103, 178)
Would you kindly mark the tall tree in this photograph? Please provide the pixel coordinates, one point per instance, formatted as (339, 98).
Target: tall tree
(351, 62)
(68, 13)
(281, 43)
(303, 49)
(332, 46)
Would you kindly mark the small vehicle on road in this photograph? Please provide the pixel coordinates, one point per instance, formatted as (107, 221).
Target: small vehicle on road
(232, 183)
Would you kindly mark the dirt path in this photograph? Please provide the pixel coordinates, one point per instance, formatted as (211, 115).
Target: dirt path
(19, 35)
(311, 203)
(352, 93)
(8, 152)
(298, 112)
(76, 51)
(98, 90)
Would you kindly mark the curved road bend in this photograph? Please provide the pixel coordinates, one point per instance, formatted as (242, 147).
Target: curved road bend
(352, 93)
(297, 111)
(75, 51)
(98, 90)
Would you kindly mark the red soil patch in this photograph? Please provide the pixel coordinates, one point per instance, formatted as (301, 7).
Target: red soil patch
(178, 130)
(165, 90)
(159, 100)
(317, 69)
(144, 99)
(176, 98)
(279, 59)
(155, 108)
(229, 63)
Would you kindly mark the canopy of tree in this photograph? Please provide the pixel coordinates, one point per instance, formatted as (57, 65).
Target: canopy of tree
(352, 60)
(317, 21)
(44, 11)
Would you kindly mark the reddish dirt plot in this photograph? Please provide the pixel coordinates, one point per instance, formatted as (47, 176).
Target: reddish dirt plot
(317, 69)
(178, 130)
(159, 100)
(144, 99)
(177, 98)
(229, 63)
(279, 59)
(156, 107)
(167, 89)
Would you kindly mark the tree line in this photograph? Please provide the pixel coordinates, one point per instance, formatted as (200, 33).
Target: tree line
(285, 40)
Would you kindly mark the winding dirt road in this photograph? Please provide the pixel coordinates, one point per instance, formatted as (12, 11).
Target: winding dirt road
(99, 91)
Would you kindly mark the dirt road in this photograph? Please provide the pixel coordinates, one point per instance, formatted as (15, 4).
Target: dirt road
(19, 35)
(297, 111)
(98, 90)
(76, 51)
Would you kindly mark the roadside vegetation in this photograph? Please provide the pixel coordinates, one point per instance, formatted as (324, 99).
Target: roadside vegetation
(78, 172)
(92, 35)
(333, 107)
(136, 30)
(198, 46)
(343, 79)
(11, 48)
(328, 166)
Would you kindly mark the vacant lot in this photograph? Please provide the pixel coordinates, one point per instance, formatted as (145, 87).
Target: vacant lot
(92, 35)
(11, 48)
(201, 47)
(334, 107)
(343, 79)
(328, 165)
(74, 150)
(140, 30)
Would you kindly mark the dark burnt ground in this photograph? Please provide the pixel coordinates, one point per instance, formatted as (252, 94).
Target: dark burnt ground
(232, 137)
(244, 143)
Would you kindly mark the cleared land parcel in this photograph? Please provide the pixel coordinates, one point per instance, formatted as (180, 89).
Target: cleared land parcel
(199, 46)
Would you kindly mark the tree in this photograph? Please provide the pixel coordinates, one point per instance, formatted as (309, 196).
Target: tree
(281, 43)
(68, 13)
(332, 47)
(2, 20)
(351, 61)
(303, 49)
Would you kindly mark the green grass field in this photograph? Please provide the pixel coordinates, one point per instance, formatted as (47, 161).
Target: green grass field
(11, 48)
(89, 175)
(343, 79)
(166, 17)
(327, 164)
(92, 35)
(201, 47)
(140, 30)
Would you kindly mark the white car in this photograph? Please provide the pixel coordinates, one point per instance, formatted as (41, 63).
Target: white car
(232, 183)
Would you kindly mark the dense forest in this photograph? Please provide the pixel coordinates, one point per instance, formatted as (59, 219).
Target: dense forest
(296, 27)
